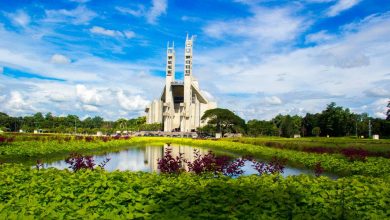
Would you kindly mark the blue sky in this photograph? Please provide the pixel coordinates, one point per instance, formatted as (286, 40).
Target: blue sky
(255, 57)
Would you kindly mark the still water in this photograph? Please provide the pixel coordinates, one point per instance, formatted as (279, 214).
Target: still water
(145, 159)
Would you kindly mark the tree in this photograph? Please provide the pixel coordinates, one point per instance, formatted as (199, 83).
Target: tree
(316, 131)
(337, 121)
(260, 128)
(388, 111)
(224, 120)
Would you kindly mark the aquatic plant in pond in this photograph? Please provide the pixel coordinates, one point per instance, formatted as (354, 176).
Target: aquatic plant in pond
(78, 162)
(215, 164)
(169, 163)
(354, 154)
(276, 165)
(210, 163)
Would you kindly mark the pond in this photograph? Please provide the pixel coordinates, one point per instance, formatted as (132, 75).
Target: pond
(145, 159)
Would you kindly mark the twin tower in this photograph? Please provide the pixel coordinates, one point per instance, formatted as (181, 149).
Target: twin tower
(182, 104)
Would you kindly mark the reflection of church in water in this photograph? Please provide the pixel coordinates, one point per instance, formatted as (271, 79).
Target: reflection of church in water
(152, 154)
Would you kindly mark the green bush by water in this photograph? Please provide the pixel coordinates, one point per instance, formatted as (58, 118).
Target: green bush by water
(61, 194)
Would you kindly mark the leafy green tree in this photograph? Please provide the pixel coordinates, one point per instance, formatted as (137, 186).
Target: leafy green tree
(316, 131)
(261, 128)
(288, 125)
(388, 111)
(336, 121)
(151, 127)
(309, 122)
(224, 120)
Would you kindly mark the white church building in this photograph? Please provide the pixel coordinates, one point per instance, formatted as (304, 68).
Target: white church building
(181, 104)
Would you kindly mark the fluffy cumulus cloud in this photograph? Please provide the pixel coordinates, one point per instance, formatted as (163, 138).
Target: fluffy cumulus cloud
(129, 102)
(90, 96)
(17, 104)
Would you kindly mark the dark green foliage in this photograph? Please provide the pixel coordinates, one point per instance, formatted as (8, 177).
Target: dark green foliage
(316, 131)
(224, 121)
(58, 194)
(261, 128)
(72, 123)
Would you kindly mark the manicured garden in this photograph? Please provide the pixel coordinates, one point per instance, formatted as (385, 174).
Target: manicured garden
(361, 192)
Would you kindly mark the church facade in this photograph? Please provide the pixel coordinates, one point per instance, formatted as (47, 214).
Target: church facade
(181, 104)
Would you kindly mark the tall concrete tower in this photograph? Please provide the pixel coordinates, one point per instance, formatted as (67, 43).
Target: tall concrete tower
(168, 106)
(187, 83)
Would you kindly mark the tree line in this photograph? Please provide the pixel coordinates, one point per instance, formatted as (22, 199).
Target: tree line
(72, 124)
(334, 121)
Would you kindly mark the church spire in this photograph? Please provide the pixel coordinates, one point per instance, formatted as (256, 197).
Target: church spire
(170, 69)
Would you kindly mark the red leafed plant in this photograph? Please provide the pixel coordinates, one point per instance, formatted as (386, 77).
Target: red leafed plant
(170, 164)
(205, 163)
(105, 138)
(355, 154)
(4, 140)
(78, 162)
(276, 165)
(88, 138)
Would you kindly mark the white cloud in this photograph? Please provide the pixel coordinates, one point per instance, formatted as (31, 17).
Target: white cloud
(158, 8)
(103, 31)
(90, 108)
(129, 102)
(341, 6)
(17, 104)
(273, 100)
(137, 13)
(190, 18)
(319, 37)
(89, 96)
(267, 26)
(19, 18)
(334, 70)
(60, 59)
(111, 33)
(78, 16)
(129, 34)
